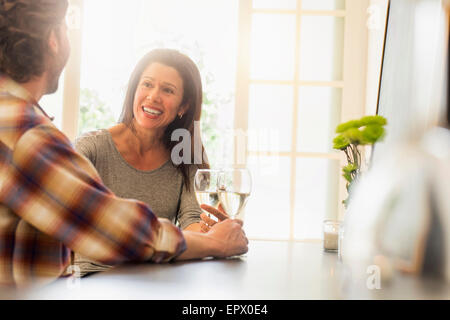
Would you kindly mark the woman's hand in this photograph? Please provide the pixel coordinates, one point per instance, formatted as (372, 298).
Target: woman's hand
(207, 222)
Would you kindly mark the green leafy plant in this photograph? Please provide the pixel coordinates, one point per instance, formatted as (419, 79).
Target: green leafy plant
(351, 135)
(94, 113)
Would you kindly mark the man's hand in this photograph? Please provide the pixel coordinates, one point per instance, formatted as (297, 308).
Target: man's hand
(224, 239)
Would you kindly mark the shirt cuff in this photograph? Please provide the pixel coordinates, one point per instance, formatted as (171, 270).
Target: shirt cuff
(170, 243)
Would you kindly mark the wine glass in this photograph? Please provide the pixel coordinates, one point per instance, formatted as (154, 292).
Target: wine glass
(234, 187)
(205, 187)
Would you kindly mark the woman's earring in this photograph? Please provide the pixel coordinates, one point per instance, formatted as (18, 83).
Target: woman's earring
(180, 115)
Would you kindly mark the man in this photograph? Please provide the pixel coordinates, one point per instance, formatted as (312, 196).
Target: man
(52, 201)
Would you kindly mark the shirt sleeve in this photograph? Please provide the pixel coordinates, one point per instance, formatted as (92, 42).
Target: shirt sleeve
(189, 211)
(59, 192)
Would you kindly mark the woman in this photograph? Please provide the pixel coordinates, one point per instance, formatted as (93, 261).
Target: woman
(133, 157)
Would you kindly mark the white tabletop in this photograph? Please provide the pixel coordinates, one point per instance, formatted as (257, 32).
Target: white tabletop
(271, 270)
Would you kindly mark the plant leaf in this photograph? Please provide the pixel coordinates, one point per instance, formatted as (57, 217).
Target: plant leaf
(340, 142)
(348, 125)
(347, 177)
(370, 120)
(349, 168)
(372, 133)
(354, 136)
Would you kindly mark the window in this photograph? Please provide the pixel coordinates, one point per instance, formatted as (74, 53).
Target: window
(294, 77)
(278, 77)
(53, 103)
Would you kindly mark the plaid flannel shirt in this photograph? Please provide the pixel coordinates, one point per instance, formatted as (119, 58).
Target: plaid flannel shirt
(53, 202)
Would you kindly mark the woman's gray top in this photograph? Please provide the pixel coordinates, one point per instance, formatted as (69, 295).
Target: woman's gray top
(162, 189)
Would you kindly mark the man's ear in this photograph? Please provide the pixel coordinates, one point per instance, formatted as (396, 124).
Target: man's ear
(53, 42)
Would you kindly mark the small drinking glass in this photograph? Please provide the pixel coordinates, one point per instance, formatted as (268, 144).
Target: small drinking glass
(331, 235)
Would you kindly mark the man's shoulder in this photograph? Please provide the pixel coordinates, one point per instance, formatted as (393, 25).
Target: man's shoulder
(18, 110)
(18, 117)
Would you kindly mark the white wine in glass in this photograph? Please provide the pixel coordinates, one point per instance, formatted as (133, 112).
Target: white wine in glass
(233, 202)
(205, 187)
(210, 198)
(234, 187)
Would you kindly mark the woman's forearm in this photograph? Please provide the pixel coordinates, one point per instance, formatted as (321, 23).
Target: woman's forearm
(194, 227)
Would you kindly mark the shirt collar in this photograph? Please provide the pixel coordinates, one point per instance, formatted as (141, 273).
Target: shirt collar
(15, 89)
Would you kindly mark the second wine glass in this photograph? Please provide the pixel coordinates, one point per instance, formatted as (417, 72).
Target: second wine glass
(234, 187)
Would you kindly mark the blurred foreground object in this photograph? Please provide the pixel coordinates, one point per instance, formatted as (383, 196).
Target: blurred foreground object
(401, 211)
(398, 222)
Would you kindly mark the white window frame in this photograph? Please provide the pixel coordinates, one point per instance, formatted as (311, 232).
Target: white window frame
(71, 93)
(353, 84)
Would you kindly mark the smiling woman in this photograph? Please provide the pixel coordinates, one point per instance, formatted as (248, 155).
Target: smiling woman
(134, 159)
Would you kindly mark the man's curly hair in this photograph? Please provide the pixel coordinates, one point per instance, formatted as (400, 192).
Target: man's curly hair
(25, 26)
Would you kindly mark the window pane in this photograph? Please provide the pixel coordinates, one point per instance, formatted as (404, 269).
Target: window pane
(204, 30)
(268, 216)
(270, 111)
(316, 196)
(272, 47)
(319, 111)
(278, 4)
(53, 103)
(321, 50)
(105, 65)
(323, 4)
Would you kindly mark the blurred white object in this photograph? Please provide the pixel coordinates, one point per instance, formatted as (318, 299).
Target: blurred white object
(400, 210)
